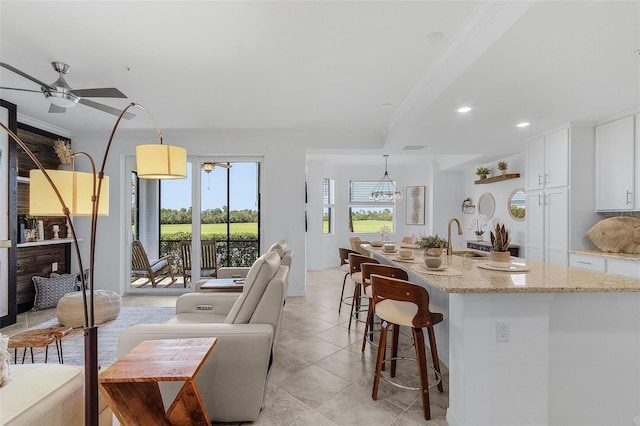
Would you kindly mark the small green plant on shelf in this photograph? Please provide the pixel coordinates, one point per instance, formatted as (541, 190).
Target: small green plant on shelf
(502, 166)
(482, 172)
(500, 238)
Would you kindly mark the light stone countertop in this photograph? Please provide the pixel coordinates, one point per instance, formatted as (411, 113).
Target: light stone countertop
(541, 277)
(621, 256)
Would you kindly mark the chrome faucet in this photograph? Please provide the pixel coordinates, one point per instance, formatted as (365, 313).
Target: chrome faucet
(453, 219)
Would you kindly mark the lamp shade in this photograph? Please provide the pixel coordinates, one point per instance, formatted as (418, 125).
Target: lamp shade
(76, 189)
(159, 161)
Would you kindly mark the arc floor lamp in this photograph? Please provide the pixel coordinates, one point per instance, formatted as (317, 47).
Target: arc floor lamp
(80, 194)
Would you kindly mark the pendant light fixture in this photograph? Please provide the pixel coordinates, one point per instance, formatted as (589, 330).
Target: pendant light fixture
(385, 190)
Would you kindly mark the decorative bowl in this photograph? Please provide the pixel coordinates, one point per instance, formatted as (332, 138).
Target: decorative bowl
(389, 248)
(432, 262)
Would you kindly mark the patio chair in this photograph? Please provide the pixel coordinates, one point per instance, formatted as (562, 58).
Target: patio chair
(155, 270)
(209, 260)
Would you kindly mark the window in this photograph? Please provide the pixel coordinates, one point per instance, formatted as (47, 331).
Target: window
(328, 187)
(365, 215)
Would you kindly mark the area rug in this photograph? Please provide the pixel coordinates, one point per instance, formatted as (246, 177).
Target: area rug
(73, 344)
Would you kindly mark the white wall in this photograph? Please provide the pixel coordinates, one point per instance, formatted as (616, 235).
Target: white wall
(323, 249)
(282, 196)
(500, 191)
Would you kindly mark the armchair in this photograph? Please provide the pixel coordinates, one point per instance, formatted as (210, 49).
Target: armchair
(232, 381)
(155, 270)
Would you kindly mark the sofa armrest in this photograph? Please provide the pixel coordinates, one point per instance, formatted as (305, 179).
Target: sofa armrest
(233, 272)
(206, 303)
(233, 378)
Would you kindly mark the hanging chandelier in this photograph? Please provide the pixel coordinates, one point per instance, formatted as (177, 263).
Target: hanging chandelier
(385, 190)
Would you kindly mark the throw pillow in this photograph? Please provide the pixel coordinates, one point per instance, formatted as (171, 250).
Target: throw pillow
(50, 290)
(5, 375)
(280, 247)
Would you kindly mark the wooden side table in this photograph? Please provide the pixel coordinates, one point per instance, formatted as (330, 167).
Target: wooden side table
(131, 388)
(231, 284)
(39, 338)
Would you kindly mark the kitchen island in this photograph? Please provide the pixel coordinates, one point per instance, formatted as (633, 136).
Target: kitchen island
(572, 351)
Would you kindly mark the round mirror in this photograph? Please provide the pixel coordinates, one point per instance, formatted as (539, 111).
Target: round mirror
(516, 204)
(486, 205)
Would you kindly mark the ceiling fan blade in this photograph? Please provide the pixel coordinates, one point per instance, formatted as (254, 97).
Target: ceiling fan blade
(106, 108)
(105, 92)
(56, 109)
(22, 90)
(27, 76)
(225, 165)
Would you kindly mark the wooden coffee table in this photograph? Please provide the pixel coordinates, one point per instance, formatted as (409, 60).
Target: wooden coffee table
(39, 338)
(131, 388)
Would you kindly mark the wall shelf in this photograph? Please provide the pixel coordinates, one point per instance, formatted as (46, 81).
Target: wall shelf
(497, 178)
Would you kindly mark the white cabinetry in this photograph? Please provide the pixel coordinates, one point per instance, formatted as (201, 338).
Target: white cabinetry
(606, 263)
(616, 165)
(560, 196)
(547, 160)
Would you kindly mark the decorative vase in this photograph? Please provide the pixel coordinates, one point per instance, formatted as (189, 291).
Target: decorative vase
(504, 172)
(433, 252)
(480, 237)
(64, 166)
(432, 261)
(500, 258)
(483, 176)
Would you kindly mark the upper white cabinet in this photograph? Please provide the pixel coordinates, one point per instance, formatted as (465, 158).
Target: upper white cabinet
(547, 161)
(560, 199)
(616, 164)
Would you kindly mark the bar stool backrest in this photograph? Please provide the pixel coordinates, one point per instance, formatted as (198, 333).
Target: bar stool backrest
(344, 255)
(385, 288)
(385, 270)
(355, 260)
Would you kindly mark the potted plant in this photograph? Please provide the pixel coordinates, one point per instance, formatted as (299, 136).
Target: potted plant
(482, 172)
(63, 151)
(500, 239)
(432, 245)
(502, 166)
(477, 223)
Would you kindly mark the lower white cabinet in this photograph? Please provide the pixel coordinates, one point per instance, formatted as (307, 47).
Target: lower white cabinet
(607, 264)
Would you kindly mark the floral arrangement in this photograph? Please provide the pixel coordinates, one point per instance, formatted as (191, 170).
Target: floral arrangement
(431, 241)
(477, 223)
(384, 232)
(63, 151)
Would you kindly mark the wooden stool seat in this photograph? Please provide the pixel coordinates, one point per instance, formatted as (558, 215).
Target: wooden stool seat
(38, 338)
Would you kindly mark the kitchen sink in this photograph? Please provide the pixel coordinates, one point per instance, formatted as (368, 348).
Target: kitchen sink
(470, 254)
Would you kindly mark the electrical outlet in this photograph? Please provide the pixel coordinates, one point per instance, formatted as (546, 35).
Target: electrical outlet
(503, 331)
(54, 267)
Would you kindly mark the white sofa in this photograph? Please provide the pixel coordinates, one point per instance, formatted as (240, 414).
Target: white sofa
(46, 394)
(232, 381)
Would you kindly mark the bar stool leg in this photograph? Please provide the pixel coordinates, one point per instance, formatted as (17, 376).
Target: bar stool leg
(434, 355)
(356, 302)
(368, 327)
(380, 360)
(421, 355)
(344, 283)
(394, 349)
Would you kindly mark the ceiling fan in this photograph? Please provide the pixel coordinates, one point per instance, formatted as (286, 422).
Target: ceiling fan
(208, 166)
(62, 96)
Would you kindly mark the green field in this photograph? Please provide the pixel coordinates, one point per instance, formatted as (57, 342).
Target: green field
(211, 228)
(364, 226)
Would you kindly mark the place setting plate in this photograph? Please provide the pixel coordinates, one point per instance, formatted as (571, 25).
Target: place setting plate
(513, 267)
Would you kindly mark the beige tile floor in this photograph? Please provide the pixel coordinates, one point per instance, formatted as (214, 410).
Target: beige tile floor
(320, 376)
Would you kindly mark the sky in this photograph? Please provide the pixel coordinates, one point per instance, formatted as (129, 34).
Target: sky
(176, 194)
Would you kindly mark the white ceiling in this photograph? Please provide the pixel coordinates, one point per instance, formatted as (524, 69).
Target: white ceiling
(322, 65)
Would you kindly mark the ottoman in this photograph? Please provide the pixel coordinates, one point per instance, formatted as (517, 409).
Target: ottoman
(107, 306)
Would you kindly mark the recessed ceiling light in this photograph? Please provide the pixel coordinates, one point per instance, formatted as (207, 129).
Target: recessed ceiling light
(523, 124)
(386, 105)
(434, 37)
(464, 109)
(414, 147)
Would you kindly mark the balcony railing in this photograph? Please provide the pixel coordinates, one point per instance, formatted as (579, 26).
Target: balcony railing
(235, 252)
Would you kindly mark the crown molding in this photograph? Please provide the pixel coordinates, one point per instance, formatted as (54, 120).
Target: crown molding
(24, 119)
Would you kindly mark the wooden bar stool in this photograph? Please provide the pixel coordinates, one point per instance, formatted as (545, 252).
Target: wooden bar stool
(401, 303)
(386, 271)
(344, 265)
(355, 260)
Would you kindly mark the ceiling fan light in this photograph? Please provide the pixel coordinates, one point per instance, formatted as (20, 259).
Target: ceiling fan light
(64, 100)
(208, 167)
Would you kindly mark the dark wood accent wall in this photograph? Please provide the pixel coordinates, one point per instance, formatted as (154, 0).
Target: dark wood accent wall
(40, 142)
(36, 261)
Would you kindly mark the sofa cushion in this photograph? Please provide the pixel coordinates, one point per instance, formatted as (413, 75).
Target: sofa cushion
(280, 247)
(50, 290)
(261, 272)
